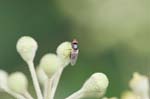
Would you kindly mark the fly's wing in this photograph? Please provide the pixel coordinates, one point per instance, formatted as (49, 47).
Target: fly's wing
(74, 57)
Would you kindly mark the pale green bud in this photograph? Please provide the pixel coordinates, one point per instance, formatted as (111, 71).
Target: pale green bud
(95, 86)
(26, 47)
(3, 80)
(18, 82)
(63, 52)
(50, 64)
(129, 95)
(110, 98)
(140, 85)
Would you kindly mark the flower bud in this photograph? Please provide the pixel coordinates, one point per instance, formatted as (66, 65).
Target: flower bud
(42, 77)
(110, 98)
(63, 52)
(3, 80)
(18, 82)
(129, 95)
(50, 64)
(26, 47)
(140, 85)
(95, 86)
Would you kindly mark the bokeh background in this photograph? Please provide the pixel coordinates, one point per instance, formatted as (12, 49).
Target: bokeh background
(113, 37)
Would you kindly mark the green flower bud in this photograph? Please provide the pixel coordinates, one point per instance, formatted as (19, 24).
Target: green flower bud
(95, 86)
(26, 47)
(50, 64)
(110, 98)
(129, 95)
(18, 82)
(140, 85)
(63, 52)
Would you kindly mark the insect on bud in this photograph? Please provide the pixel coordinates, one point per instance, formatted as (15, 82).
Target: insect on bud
(26, 47)
(18, 82)
(50, 64)
(74, 52)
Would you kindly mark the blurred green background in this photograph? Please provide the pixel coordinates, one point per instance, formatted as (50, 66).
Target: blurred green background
(113, 37)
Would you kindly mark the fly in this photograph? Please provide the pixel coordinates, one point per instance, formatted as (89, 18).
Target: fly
(74, 52)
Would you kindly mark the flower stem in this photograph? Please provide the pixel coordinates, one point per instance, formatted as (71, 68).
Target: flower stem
(15, 95)
(47, 89)
(27, 95)
(55, 81)
(35, 81)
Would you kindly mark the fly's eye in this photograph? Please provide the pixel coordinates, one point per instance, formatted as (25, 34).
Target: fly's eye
(75, 46)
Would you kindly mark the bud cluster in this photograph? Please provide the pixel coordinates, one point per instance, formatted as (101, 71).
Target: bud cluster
(48, 73)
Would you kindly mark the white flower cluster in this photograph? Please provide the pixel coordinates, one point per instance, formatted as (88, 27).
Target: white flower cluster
(48, 73)
(140, 87)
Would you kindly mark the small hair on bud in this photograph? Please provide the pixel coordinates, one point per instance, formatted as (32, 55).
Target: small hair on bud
(18, 82)
(50, 64)
(26, 47)
(140, 85)
(63, 51)
(3, 79)
(96, 85)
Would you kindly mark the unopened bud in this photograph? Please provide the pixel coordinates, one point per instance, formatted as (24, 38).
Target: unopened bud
(63, 52)
(129, 95)
(140, 85)
(18, 82)
(50, 64)
(96, 85)
(26, 47)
